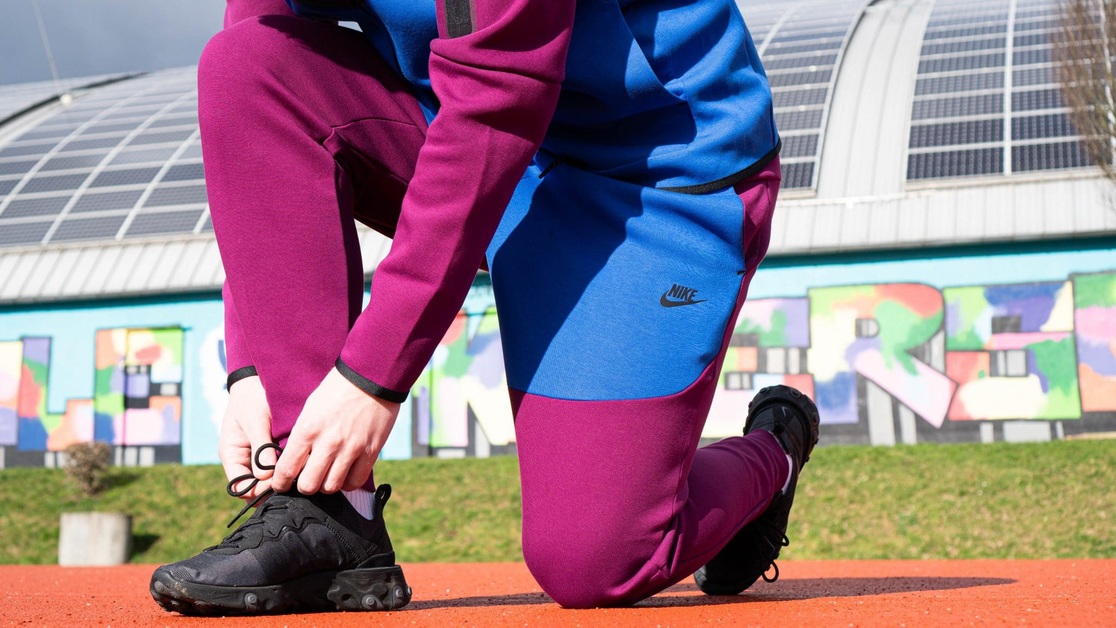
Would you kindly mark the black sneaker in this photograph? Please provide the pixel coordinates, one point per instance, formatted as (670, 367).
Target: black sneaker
(794, 420)
(296, 553)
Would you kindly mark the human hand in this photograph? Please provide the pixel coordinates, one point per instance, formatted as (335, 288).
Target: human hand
(336, 439)
(245, 428)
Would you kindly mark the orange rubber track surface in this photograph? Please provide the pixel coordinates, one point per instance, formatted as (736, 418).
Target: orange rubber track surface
(853, 593)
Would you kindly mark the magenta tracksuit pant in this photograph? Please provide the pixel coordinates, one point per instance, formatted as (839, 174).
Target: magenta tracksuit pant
(305, 129)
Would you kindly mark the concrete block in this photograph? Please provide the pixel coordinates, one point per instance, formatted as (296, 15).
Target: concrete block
(94, 539)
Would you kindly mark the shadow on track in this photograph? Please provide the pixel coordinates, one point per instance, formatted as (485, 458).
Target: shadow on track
(810, 588)
(515, 599)
(786, 589)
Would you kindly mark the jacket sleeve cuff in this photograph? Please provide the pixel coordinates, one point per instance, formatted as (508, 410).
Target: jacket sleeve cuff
(239, 374)
(368, 386)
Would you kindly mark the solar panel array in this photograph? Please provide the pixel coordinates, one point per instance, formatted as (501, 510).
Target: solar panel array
(122, 161)
(16, 98)
(986, 97)
(801, 44)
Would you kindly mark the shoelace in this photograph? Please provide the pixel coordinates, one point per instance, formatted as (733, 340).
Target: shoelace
(231, 489)
(783, 543)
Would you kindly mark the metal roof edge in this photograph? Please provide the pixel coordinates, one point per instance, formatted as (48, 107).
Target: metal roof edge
(1008, 211)
(132, 268)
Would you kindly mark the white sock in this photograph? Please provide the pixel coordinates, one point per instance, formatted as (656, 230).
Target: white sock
(790, 472)
(361, 500)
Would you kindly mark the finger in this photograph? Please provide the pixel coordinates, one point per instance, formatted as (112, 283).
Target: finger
(249, 413)
(260, 488)
(234, 460)
(245, 483)
(338, 472)
(242, 471)
(291, 463)
(259, 434)
(358, 473)
(315, 470)
(233, 452)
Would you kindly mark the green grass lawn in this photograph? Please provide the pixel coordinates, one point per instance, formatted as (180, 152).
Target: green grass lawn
(1043, 500)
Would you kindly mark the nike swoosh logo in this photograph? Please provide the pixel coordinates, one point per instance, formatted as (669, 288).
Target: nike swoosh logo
(665, 302)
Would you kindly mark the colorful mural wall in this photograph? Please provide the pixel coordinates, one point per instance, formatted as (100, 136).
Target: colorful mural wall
(1039, 352)
(146, 376)
(136, 400)
(898, 358)
(461, 400)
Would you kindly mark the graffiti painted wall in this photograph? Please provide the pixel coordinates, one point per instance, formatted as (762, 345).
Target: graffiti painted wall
(907, 362)
(136, 398)
(145, 377)
(949, 350)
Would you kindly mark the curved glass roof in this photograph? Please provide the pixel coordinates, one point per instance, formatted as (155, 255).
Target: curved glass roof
(986, 99)
(124, 160)
(121, 161)
(17, 98)
(801, 44)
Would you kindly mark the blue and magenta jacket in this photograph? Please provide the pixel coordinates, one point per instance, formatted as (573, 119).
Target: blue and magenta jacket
(660, 95)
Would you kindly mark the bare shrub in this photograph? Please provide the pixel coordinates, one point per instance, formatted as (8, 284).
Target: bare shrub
(87, 465)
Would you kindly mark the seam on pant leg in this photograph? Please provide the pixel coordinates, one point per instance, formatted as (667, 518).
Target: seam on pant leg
(713, 372)
(718, 362)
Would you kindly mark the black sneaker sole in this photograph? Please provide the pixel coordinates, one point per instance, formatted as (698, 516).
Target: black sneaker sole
(373, 589)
